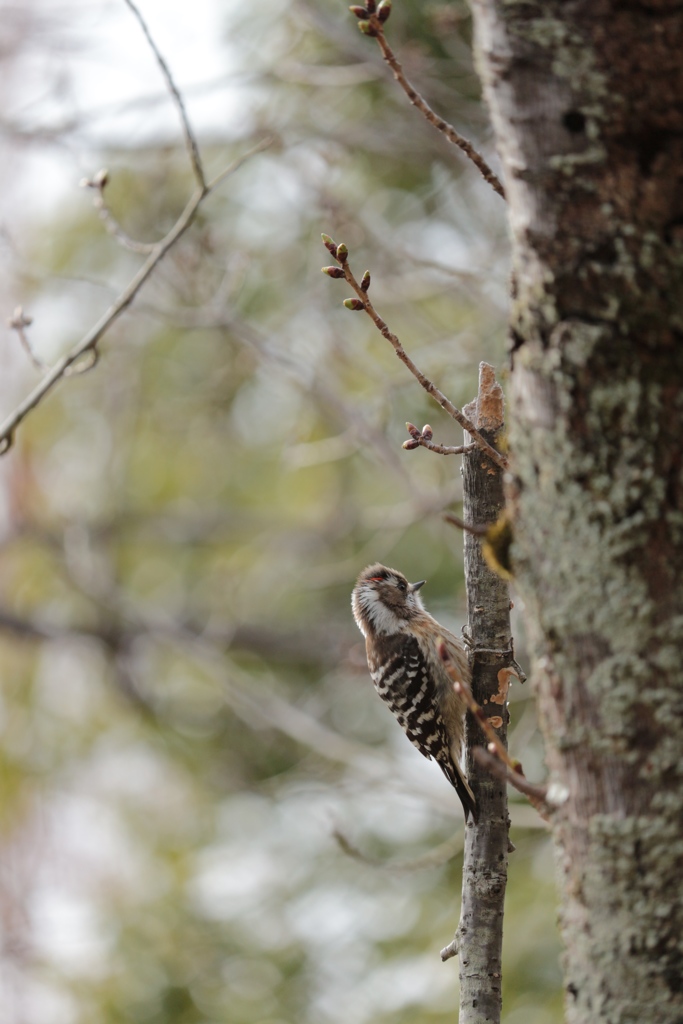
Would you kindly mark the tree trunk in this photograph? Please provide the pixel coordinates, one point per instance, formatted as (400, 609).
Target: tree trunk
(587, 105)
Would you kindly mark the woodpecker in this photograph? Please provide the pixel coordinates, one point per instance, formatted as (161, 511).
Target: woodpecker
(401, 640)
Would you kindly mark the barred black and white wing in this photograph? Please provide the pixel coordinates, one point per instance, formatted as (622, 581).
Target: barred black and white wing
(404, 678)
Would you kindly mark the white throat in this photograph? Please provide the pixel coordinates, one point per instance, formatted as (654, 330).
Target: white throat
(367, 605)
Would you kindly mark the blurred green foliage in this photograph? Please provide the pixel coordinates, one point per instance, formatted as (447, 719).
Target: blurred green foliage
(186, 717)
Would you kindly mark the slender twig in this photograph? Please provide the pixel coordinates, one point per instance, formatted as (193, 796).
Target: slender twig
(424, 381)
(537, 795)
(363, 301)
(19, 321)
(441, 854)
(477, 529)
(87, 345)
(423, 439)
(190, 139)
(506, 767)
(98, 184)
(485, 723)
(445, 449)
(373, 26)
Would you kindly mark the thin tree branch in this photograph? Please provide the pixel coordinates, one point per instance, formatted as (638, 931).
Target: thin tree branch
(441, 854)
(190, 139)
(341, 254)
(423, 439)
(496, 757)
(537, 795)
(98, 183)
(19, 321)
(87, 345)
(372, 25)
(486, 725)
(476, 529)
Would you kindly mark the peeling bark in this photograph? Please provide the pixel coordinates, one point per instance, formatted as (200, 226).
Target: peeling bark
(587, 105)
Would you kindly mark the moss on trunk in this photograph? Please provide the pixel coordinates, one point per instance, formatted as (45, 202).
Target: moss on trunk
(587, 103)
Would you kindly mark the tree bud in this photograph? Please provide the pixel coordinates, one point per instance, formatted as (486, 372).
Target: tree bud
(360, 12)
(427, 433)
(367, 28)
(354, 304)
(413, 431)
(365, 281)
(330, 245)
(409, 445)
(19, 319)
(342, 253)
(384, 10)
(333, 271)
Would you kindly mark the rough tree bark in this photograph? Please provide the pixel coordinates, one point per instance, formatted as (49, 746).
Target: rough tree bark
(479, 937)
(587, 105)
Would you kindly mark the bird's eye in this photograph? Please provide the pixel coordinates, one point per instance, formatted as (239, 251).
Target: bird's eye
(401, 585)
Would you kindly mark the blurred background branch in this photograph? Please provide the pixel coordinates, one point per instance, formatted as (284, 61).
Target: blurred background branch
(185, 709)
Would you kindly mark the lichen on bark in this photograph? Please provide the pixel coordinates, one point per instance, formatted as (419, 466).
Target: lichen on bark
(587, 105)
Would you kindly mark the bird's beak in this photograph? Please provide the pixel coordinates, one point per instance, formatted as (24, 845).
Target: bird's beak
(412, 587)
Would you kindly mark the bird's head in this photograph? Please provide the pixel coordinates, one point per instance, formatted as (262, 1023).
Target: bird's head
(383, 601)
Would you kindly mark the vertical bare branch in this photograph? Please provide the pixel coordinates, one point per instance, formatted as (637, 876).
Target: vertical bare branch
(479, 937)
(190, 139)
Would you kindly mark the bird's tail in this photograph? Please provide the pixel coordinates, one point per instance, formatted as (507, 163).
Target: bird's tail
(458, 781)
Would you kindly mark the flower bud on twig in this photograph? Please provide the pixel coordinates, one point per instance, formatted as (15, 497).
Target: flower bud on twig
(333, 271)
(354, 304)
(409, 445)
(342, 253)
(19, 319)
(427, 433)
(360, 12)
(413, 431)
(329, 244)
(365, 281)
(367, 28)
(384, 10)
(371, 6)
